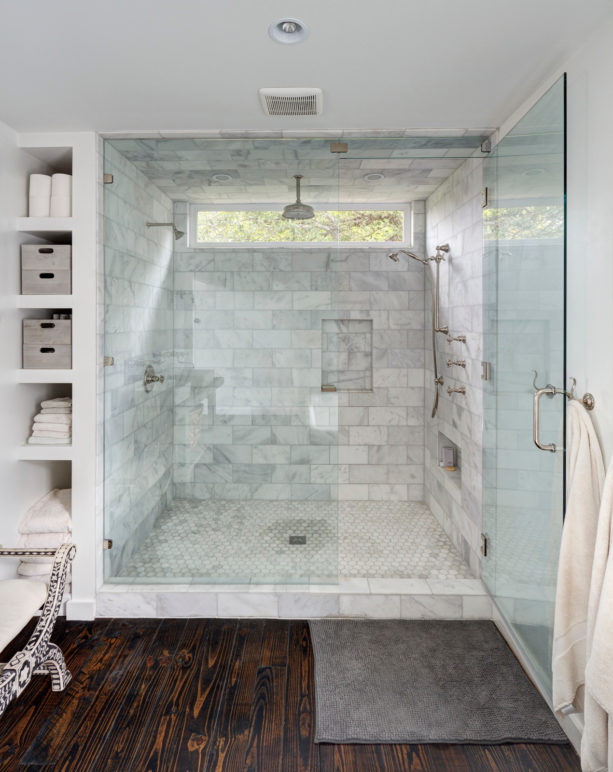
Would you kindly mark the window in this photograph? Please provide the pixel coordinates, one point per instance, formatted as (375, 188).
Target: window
(264, 225)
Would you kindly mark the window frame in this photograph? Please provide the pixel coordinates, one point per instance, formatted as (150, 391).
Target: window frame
(193, 243)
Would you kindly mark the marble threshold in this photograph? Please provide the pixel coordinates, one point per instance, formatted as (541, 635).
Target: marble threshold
(350, 598)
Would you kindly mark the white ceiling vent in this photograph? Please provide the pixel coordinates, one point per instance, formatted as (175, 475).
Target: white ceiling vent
(291, 101)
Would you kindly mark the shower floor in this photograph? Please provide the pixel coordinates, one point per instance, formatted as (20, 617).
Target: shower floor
(312, 541)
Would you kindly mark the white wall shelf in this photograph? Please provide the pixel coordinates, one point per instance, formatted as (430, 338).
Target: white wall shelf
(43, 301)
(44, 453)
(45, 376)
(43, 225)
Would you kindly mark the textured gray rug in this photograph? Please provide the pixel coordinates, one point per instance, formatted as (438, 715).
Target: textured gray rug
(422, 681)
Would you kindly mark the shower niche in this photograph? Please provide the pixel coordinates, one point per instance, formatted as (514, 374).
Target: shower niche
(450, 459)
(346, 355)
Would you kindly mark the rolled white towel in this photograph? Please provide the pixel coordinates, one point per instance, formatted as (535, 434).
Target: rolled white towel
(49, 441)
(55, 418)
(57, 402)
(51, 514)
(50, 540)
(54, 435)
(56, 411)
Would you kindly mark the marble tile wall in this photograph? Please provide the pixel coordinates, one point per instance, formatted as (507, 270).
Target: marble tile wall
(251, 421)
(454, 216)
(138, 319)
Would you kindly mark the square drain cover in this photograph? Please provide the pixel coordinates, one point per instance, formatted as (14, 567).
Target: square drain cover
(297, 539)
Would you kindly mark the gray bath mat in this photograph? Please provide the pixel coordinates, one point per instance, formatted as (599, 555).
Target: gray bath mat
(422, 681)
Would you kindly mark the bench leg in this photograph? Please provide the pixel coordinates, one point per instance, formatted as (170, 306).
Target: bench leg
(55, 665)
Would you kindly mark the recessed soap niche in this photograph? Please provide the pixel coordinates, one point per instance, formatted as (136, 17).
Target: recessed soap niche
(450, 459)
(346, 355)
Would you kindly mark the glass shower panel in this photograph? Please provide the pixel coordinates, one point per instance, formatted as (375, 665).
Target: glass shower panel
(253, 495)
(524, 342)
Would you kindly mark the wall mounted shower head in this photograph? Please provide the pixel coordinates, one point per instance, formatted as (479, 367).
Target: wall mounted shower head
(177, 233)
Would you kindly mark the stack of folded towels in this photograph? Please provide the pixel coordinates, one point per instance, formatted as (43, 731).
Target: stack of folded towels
(53, 425)
(47, 524)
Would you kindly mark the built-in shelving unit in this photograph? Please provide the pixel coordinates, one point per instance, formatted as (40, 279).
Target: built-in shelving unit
(61, 465)
(43, 301)
(44, 453)
(44, 376)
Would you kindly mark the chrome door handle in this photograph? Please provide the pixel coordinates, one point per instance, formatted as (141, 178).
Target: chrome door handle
(550, 390)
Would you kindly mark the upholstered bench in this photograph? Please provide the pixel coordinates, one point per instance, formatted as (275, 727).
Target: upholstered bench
(20, 600)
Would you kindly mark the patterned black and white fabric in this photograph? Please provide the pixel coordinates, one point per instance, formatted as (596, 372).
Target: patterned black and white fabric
(39, 656)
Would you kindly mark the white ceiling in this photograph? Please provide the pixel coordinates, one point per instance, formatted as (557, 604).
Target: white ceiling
(197, 64)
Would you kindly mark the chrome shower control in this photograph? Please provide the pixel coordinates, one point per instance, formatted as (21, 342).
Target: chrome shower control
(457, 362)
(151, 378)
(457, 390)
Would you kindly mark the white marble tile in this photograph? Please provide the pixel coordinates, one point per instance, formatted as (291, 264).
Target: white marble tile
(456, 586)
(370, 606)
(126, 605)
(248, 605)
(191, 604)
(477, 607)
(431, 607)
(399, 586)
(293, 605)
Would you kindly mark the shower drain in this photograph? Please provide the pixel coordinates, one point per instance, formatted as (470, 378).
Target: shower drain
(300, 539)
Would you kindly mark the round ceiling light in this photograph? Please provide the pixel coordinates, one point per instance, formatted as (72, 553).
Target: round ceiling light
(222, 177)
(288, 31)
(374, 177)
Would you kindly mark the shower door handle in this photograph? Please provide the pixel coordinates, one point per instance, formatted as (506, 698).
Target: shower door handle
(551, 391)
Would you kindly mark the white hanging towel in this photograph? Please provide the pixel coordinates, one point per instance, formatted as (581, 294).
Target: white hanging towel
(597, 740)
(585, 477)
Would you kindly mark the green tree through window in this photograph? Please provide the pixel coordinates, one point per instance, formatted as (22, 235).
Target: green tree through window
(368, 225)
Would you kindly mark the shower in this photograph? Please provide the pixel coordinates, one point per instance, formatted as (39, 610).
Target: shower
(436, 327)
(177, 233)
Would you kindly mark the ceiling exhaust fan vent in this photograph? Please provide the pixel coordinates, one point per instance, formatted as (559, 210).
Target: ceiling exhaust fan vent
(291, 101)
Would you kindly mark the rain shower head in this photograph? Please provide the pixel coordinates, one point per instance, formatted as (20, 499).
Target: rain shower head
(298, 211)
(177, 233)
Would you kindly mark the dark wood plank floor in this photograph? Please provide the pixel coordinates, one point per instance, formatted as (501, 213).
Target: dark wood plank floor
(189, 695)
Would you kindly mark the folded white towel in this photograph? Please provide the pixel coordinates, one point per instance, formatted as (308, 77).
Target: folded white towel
(63, 428)
(51, 514)
(56, 411)
(57, 402)
(55, 435)
(34, 569)
(52, 419)
(49, 441)
(597, 740)
(50, 540)
(585, 477)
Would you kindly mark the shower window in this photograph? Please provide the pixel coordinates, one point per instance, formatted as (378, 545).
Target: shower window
(263, 225)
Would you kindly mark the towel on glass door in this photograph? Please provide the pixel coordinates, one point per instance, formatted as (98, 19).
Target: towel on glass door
(597, 740)
(585, 478)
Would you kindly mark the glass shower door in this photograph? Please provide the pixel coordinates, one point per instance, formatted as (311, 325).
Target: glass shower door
(524, 343)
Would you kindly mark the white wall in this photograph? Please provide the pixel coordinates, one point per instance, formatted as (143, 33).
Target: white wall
(590, 231)
(590, 215)
(21, 482)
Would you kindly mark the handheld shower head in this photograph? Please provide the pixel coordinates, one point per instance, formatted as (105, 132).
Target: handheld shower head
(394, 256)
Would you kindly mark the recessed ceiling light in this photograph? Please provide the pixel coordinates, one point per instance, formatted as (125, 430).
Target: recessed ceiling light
(374, 177)
(222, 177)
(288, 30)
